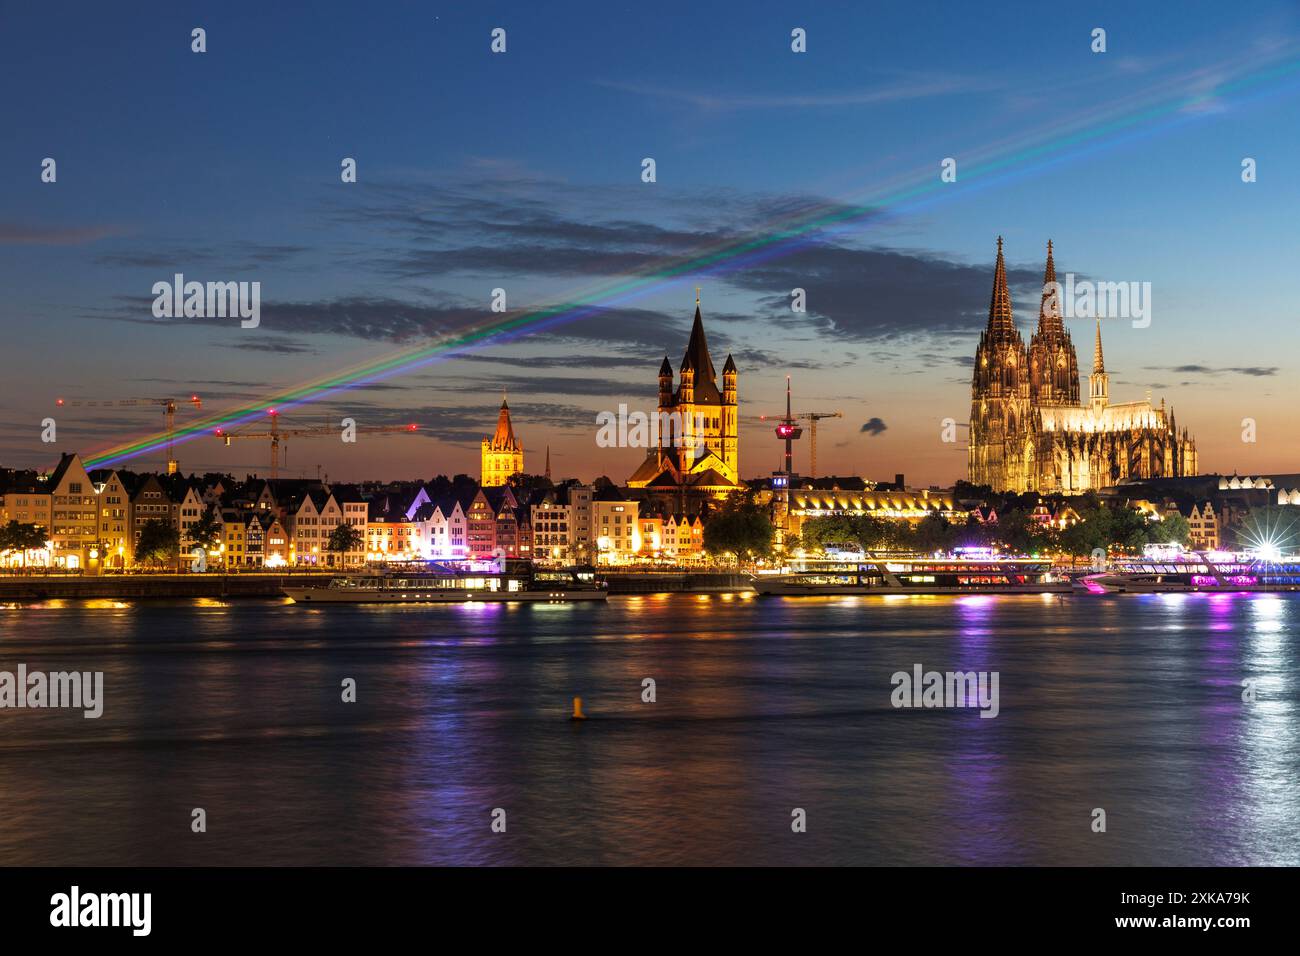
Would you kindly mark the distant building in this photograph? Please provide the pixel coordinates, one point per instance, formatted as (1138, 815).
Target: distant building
(1029, 429)
(1204, 525)
(502, 454)
(698, 450)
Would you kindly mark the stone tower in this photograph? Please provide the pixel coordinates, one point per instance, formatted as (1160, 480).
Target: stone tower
(1053, 365)
(998, 449)
(502, 454)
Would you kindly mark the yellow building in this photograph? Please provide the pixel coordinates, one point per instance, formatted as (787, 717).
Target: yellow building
(75, 518)
(27, 503)
(906, 506)
(503, 455)
(618, 538)
(115, 521)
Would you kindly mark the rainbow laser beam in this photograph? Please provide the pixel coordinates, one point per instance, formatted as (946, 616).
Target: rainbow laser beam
(989, 167)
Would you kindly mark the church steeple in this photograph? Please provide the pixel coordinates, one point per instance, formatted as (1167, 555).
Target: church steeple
(1049, 309)
(1000, 320)
(1053, 365)
(1098, 381)
(502, 454)
(504, 437)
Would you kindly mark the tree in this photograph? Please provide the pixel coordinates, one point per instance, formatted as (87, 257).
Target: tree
(1090, 533)
(933, 533)
(159, 542)
(828, 531)
(1172, 528)
(206, 532)
(21, 537)
(746, 534)
(345, 538)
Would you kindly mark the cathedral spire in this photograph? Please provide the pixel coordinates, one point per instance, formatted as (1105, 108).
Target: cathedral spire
(1049, 309)
(548, 462)
(1000, 306)
(1098, 381)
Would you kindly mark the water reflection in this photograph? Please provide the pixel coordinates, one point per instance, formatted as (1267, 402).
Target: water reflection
(1134, 704)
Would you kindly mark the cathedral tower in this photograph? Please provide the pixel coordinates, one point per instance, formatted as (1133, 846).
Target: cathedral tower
(998, 448)
(1053, 365)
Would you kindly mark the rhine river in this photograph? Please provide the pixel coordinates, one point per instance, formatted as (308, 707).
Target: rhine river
(1130, 704)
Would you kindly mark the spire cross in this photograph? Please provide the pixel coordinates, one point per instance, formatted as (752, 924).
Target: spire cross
(697, 295)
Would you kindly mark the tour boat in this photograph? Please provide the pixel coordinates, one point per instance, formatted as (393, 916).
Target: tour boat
(1197, 571)
(448, 584)
(961, 573)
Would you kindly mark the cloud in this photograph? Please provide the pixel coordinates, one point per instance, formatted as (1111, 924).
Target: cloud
(387, 319)
(27, 235)
(869, 293)
(1254, 371)
(873, 427)
(894, 91)
(278, 344)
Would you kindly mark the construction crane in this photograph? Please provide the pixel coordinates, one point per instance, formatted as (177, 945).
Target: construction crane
(169, 415)
(812, 418)
(277, 435)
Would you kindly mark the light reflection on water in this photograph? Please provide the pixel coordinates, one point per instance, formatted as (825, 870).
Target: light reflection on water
(1132, 704)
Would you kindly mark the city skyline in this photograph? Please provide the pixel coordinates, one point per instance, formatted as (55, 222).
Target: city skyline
(896, 294)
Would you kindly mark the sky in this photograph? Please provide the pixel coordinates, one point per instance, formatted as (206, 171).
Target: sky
(522, 171)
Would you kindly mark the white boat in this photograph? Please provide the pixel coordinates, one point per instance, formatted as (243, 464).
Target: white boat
(957, 574)
(446, 584)
(1197, 571)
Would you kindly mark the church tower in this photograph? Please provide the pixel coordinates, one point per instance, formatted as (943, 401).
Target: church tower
(1053, 365)
(502, 454)
(998, 447)
(1098, 381)
(699, 423)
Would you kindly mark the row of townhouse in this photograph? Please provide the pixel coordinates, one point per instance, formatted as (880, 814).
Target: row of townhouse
(94, 520)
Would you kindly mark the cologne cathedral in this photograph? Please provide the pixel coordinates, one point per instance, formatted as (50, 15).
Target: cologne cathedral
(1029, 428)
(698, 453)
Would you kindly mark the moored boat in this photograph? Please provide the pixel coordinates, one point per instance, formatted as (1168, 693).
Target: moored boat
(955, 574)
(1174, 570)
(444, 583)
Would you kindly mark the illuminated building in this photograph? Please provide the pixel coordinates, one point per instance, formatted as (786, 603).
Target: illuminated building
(1029, 429)
(502, 454)
(698, 452)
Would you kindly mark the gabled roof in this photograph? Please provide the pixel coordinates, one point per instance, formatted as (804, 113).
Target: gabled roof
(61, 471)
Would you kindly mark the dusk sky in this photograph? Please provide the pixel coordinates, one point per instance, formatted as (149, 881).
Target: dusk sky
(522, 171)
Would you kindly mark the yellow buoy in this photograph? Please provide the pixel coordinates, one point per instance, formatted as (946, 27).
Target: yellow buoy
(577, 709)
